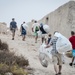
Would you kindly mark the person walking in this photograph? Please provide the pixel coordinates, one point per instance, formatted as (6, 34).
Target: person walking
(56, 56)
(49, 39)
(43, 35)
(72, 40)
(13, 27)
(23, 30)
(35, 29)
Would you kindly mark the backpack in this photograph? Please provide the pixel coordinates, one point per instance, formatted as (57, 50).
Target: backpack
(36, 29)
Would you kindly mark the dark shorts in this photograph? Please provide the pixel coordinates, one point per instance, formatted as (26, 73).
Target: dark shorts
(23, 32)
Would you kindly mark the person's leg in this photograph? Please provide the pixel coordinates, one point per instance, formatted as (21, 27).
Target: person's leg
(56, 68)
(72, 59)
(59, 57)
(60, 68)
(42, 39)
(23, 37)
(36, 37)
(13, 34)
(72, 62)
(54, 59)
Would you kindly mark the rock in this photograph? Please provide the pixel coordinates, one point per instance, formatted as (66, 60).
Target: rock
(3, 28)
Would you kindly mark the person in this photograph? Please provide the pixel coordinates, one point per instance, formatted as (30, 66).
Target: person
(43, 32)
(49, 39)
(13, 27)
(72, 40)
(56, 56)
(23, 30)
(35, 29)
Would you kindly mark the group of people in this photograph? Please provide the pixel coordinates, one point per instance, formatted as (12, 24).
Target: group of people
(23, 29)
(39, 29)
(13, 28)
(56, 56)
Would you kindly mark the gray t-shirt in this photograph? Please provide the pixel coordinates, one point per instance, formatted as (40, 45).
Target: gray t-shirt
(53, 43)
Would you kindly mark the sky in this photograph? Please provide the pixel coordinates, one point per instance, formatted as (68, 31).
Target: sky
(26, 10)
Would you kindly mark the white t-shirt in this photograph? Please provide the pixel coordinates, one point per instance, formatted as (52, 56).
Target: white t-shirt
(34, 26)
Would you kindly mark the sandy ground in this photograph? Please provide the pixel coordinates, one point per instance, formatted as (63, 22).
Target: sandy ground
(29, 49)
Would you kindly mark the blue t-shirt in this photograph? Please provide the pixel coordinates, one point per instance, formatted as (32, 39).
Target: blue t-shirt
(13, 24)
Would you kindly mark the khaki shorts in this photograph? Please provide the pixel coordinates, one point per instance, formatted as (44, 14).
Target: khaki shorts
(44, 35)
(13, 30)
(57, 59)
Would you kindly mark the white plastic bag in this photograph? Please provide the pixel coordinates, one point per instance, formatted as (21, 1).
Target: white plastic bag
(46, 51)
(45, 55)
(43, 59)
(46, 28)
(63, 44)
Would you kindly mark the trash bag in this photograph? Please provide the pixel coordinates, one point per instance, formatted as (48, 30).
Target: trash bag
(45, 55)
(63, 44)
(43, 59)
(46, 28)
(46, 51)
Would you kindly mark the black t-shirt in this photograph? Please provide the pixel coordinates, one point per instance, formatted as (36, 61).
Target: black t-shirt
(42, 30)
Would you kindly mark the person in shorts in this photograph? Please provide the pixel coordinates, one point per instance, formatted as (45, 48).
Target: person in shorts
(49, 39)
(44, 34)
(23, 30)
(56, 56)
(35, 29)
(13, 27)
(72, 40)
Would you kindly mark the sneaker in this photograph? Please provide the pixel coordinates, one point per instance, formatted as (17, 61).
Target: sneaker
(12, 38)
(70, 64)
(56, 74)
(59, 73)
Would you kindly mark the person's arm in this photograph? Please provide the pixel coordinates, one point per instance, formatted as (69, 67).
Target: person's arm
(33, 28)
(16, 27)
(21, 28)
(10, 25)
(47, 46)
